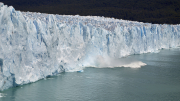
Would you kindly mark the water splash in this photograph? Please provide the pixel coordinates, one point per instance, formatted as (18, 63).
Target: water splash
(108, 62)
(2, 95)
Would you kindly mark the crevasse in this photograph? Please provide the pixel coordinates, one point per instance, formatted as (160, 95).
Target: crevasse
(34, 45)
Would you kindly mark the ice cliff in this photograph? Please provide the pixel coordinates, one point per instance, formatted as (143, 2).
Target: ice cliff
(34, 45)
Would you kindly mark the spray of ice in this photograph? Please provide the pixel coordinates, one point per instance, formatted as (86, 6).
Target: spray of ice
(108, 62)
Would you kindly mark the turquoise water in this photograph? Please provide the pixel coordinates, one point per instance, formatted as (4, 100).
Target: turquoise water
(159, 80)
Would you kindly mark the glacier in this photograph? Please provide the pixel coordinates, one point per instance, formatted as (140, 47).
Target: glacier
(34, 46)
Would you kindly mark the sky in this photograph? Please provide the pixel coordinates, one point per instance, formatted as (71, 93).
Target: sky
(152, 11)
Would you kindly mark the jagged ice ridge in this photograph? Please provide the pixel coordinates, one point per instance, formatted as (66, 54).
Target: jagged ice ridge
(35, 45)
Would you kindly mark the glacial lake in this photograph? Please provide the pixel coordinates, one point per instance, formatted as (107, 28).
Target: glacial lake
(159, 80)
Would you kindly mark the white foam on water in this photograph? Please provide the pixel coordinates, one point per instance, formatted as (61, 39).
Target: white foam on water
(77, 69)
(2, 95)
(137, 64)
(107, 62)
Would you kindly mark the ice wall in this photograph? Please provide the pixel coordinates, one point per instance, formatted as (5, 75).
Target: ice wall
(34, 45)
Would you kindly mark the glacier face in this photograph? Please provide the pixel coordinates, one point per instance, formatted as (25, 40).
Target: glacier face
(34, 45)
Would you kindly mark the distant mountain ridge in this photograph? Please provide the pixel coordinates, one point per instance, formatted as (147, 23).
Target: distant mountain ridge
(152, 11)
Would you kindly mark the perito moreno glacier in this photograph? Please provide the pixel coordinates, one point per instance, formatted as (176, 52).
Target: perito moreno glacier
(34, 46)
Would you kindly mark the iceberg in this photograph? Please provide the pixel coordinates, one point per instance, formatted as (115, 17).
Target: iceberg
(34, 46)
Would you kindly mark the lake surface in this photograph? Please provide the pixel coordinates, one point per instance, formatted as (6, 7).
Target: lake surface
(159, 80)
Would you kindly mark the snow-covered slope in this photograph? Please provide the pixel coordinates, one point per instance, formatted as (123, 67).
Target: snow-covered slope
(34, 45)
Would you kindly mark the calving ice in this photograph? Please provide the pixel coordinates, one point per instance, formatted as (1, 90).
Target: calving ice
(35, 45)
